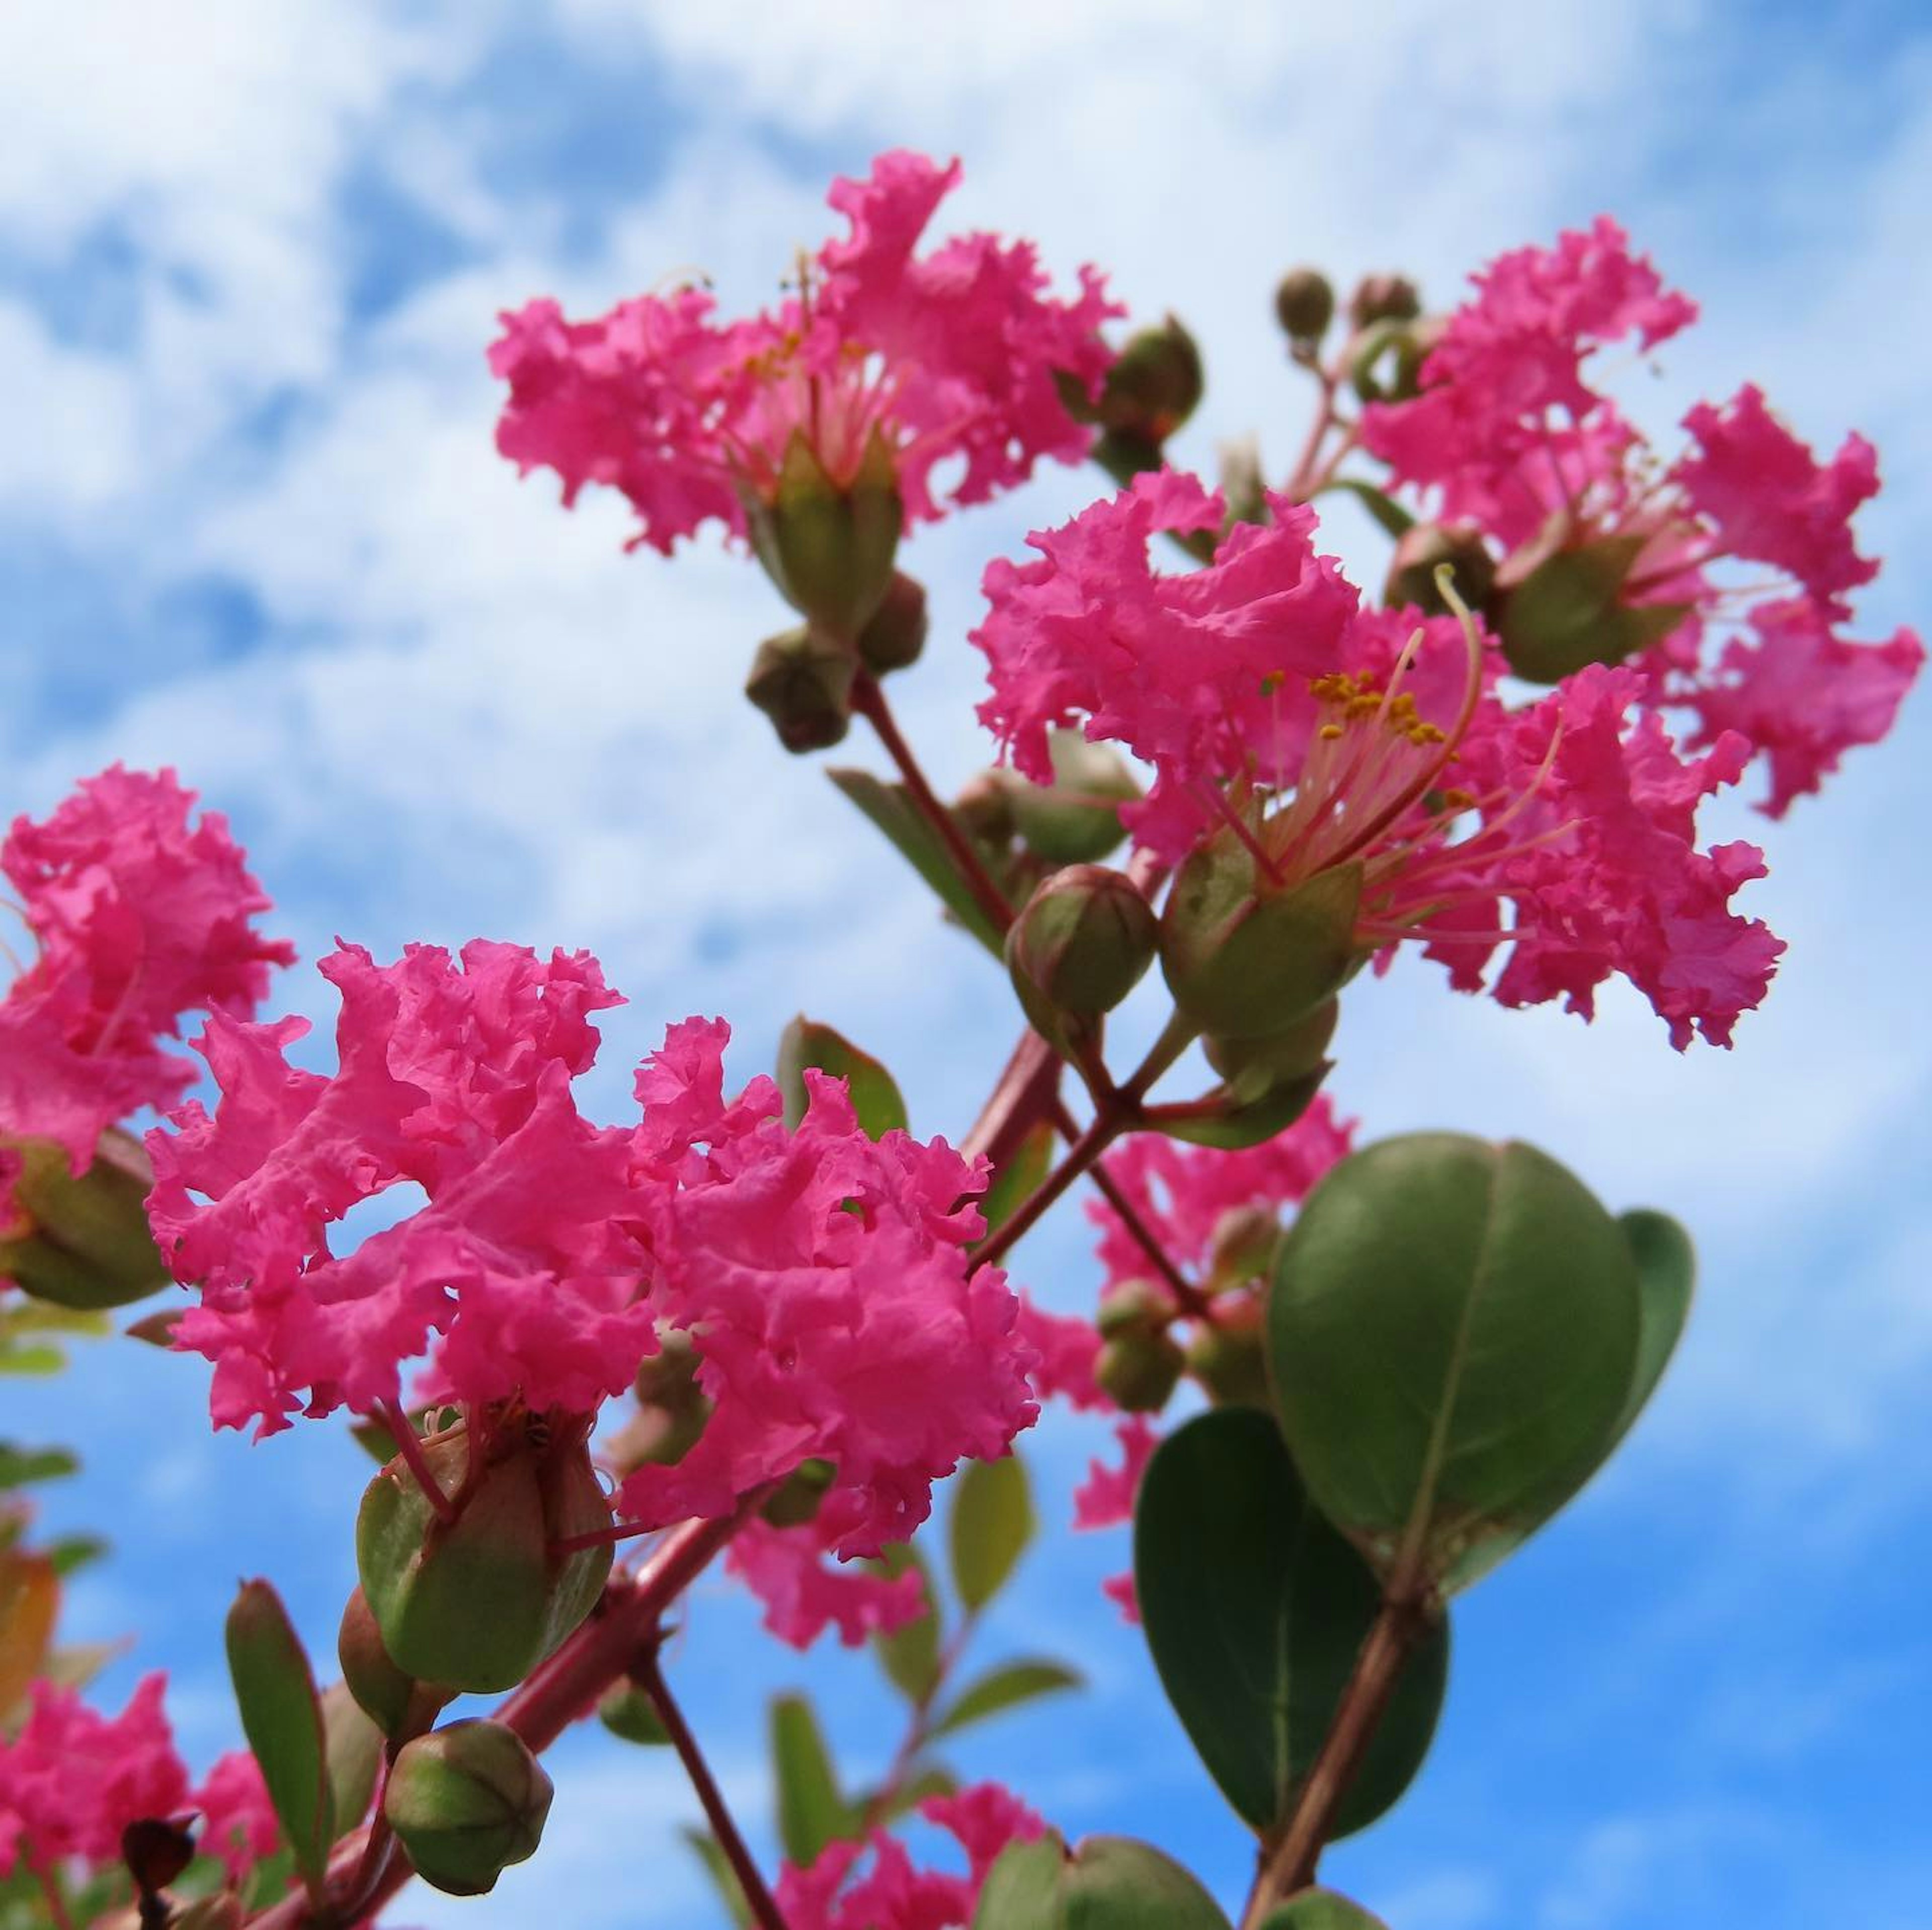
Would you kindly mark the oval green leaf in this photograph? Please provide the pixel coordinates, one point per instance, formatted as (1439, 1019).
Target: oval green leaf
(806, 1045)
(991, 1523)
(1666, 1274)
(1006, 1687)
(811, 1812)
(1320, 1910)
(910, 1656)
(281, 1716)
(1452, 1335)
(1255, 1608)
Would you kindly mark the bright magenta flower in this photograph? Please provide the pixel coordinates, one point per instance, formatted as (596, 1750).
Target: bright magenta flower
(804, 1592)
(1183, 1193)
(1508, 436)
(138, 917)
(954, 354)
(825, 1279)
(71, 1781)
(893, 1894)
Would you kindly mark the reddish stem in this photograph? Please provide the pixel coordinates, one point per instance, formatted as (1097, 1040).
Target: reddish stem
(1027, 1091)
(869, 701)
(410, 1448)
(1108, 1124)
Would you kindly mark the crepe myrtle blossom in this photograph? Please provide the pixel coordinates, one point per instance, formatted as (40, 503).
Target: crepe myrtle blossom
(1320, 741)
(804, 1591)
(881, 354)
(891, 1893)
(1724, 572)
(137, 916)
(823, 1277)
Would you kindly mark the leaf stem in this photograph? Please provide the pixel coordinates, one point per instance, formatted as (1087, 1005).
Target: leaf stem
(648, 1674)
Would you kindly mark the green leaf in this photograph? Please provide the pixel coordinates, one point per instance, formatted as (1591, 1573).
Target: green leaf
(917, 1788)
(990, 1524)
(1111, 1882)
(627, 1712)
(805, 1044)
(1026, 1167)
(811, 1812)
(20, 1466)
(31, 1360)
(910, 1656)
(717, 1867)
(1021, 1891)
(1255, 1609)
(72, 1552)
(281, 1716)
(1452, 1335)
(1006, 1687)
(1320, 1910)
(889, 807)
(353, 1746)
(1667, 1272)
(1395, 520)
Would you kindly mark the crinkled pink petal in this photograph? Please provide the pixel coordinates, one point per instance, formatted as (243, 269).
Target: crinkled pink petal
(238, 1819)
(1106, 1498)
(804, 1591)
(1066, 1349)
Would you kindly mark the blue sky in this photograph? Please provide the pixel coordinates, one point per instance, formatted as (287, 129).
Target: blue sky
(251, 524)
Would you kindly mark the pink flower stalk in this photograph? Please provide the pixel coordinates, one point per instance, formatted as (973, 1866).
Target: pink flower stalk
(1330, 745)
(804, 1592)
(71, 1781)
(1508, 436)
(138, 917)
(1183, 1194)
(823, 1278)
(893, 1894)
(955, 354)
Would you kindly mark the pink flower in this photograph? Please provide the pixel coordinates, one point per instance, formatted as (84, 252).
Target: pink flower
(1183, 670)
(1183, 1193)
(71, 1781)
(954, 354)
(1508, 436)
(804, 1592)
(138, 918)
(237, 1821)
(1106, 1499)
(893, 1894)
(1066, 1349)
(458, 1080)
(826, 1279)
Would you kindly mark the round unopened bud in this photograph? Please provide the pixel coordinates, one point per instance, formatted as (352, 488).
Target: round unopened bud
(802, 680)
(895, 634)
(466, 1802)
(478, 1601)
(1384, 298)
(1134, 1306)
(985, 807)
(828, 542)
(1076, 819)
(1138, 1371)
(1246, 958)
(1227, 1358)
(797, 1500)
(1242, 1247)
(1080, 945)
(1155, 385)
(1304, 305)
(80, 1241)
(669, 1377)
(1558, 608)
(1420, 549)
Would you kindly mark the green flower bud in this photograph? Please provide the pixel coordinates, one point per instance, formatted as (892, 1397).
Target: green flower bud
(1247, 959)
(1080, 945)
(796, 1502)
(1154, 385)
(466, 1802)
(802, 680)
(81, 1241)
(895, 634)
(1244, 487)
(1227, 1358)
(829, 548)
(1304, 305)
(397, 1703)
(478, 1602)
(1420, 549)
(1076, 819)
(1138, 1371)
(631, 1715)
(1133, 1307)
(1559, 609)
(1242, 1247)
(1384, 298)
(1252, 1068)
(985, 808)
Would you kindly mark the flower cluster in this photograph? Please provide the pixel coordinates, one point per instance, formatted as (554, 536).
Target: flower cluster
(1509, 438)
(138, 917)
(71, 1781)
(959, 354)
(823, 1277)
(1333, 743)
(893, 1894)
